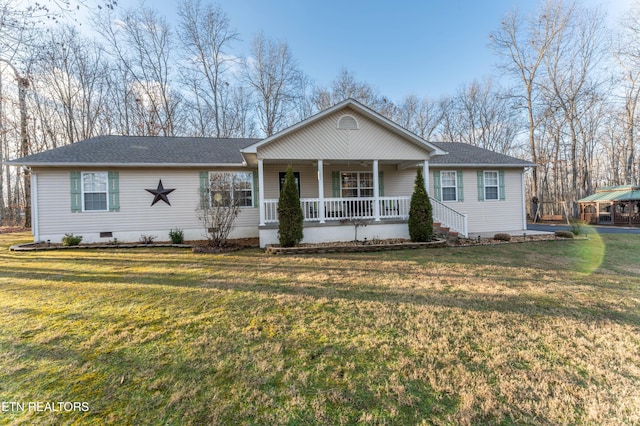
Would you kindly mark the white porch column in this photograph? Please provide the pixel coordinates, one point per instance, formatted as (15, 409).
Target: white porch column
(376, 192)
(425, 173)
(261, 191)
(321, 191)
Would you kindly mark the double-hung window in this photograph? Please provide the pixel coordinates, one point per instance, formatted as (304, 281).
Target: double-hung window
(95, 191)
(232, 187)
(491, 185)
(356, 184)
(449, 185)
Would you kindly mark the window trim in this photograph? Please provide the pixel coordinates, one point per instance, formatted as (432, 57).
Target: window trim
(455, 185)
(250, 180)
(345, 122)
(83, 192)
(485, 186)
(358, 188)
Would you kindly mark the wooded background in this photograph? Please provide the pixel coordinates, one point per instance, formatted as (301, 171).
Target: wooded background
(565, 94)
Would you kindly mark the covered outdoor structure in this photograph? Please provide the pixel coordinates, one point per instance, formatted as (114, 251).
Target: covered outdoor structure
(612, 205)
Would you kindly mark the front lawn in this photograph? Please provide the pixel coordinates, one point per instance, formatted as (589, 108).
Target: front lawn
(534, 333)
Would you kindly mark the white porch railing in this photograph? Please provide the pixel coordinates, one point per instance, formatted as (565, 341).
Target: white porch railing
(362, 208)
(450, 218)
(344, 208)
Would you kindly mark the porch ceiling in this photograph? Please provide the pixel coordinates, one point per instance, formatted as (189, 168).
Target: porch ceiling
(363, 163)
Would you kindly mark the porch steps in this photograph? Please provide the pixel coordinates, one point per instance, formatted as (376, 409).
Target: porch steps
(445, 231)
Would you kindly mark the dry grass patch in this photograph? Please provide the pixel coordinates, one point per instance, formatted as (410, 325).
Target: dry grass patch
(506, 334)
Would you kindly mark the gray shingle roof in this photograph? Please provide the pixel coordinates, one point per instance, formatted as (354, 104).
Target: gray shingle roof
(177, 151)
(462, 154)
(143, 150)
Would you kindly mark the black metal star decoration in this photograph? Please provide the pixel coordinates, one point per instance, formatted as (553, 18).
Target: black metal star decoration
(160, 193)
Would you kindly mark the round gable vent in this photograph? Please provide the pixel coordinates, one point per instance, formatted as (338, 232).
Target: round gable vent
(347, 122)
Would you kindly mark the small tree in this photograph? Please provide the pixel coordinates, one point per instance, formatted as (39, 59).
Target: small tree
(218, 217)
(420, 212)
(289, 212)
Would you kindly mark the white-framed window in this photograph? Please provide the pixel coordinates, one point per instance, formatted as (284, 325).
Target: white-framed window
(356, 184)
(491, 185)
(227, 187)
(449, 185)
(95, 191)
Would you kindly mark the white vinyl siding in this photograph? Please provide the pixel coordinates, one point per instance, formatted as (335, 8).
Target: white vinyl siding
(324, 140)
(490, 216)
(136, 216)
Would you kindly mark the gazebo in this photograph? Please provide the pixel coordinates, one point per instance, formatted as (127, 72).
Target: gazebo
(612, 205)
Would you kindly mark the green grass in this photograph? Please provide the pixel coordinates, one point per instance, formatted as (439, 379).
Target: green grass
(535, 333)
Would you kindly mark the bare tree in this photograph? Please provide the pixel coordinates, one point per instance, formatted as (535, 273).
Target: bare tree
(69, 87)
(523, 44)
(273, 74)
(347, 86)
(571, 85)
(141, 43)
(485, 117)
(627, 54)
(422, 116)
(207, 36)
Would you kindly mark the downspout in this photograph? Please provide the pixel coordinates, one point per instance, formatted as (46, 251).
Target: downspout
(35, 224)
(524, 201)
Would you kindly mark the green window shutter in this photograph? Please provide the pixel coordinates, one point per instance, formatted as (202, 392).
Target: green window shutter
(204, 189)
(335, 181)
(256, 188)
(381, 183)
(437, 191)
(460, 185)
(114, 191)
(480, 185)
(501, 184)
(76, 192)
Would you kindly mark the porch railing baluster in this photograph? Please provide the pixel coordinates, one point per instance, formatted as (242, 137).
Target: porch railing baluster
(336, 209)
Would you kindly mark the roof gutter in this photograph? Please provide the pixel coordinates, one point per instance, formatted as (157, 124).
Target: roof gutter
(475, 166)
(129, 165)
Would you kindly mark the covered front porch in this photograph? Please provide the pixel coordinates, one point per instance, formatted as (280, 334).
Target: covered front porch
(340, 190)
(351, 164)
(337, 195)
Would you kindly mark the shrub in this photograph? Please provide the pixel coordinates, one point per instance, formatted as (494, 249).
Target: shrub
(71, 240)
(564, 234)
(289, 212)
(147, 239)
(576, 226)
(420, 212)
(502, 237)
(218, 213)
(176, 236)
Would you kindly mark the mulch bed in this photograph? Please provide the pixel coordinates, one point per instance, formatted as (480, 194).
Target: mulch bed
(202, 246)
(198, 246)
(354, 246)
